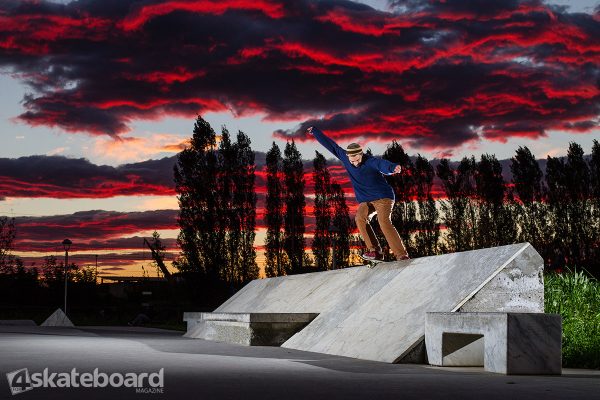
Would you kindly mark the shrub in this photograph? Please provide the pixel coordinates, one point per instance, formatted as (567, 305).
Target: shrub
(576, 297)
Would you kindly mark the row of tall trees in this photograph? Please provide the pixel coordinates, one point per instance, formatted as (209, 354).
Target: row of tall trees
(285, 216)
(333, 226)
(285, 209)
(217, 200)
(557, 211)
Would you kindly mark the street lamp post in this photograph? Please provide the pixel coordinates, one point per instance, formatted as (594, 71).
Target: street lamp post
(67, 245)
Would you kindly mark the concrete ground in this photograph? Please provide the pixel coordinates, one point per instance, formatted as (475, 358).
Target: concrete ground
(197, 369)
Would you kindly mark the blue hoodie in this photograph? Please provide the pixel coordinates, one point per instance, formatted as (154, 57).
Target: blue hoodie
(367, 179)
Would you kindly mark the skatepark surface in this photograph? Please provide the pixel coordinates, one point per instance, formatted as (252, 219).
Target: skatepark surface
(199, 369)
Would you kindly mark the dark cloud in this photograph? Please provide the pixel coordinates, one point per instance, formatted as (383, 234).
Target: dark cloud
(471, 7)
(66, 178)
(434, 74)
(113, 269)
(62, 177)
(91, 226)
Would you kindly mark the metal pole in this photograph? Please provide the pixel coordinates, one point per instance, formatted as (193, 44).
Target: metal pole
(66, 277)
(333, 258)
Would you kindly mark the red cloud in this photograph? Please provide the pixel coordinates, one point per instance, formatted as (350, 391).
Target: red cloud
(371, 25)
(32, 34)
(216, 7)
(437, 76)
(96, 188)
(89, 226)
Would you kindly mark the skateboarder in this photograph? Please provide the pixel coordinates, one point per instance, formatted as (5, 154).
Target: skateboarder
(372, 191)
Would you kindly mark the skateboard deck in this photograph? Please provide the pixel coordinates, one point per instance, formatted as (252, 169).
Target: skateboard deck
(371, 263)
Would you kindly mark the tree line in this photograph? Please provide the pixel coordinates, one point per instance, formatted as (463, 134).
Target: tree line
(215, 183)
(558, 211)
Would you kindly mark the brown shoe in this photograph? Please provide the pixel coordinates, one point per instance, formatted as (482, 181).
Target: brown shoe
(372, 256)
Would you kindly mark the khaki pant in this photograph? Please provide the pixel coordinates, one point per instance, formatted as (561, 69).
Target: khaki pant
(383, 209)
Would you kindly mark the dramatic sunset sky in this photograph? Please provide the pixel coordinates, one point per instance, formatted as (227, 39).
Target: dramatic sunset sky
(99, 96)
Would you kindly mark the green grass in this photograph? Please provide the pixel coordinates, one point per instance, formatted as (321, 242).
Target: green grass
(576, 297)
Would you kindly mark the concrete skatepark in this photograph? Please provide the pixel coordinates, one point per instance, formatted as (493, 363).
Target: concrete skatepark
(353, 333)
(379, 314)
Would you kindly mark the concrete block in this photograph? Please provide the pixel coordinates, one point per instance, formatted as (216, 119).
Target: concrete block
(192, 319)
(506, 343)
(248, 329)
(518, 287)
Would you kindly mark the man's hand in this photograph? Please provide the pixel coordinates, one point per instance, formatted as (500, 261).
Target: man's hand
(310, 130)
(397, 170)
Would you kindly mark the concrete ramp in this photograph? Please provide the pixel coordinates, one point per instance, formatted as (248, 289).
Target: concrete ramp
(58, 318)
(379, 314)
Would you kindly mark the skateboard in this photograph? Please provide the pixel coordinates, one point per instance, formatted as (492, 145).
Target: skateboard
(371, 263)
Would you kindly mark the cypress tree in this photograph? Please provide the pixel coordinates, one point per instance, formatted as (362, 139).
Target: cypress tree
(466, 170)
(427, 236)
(195, 175)
(404, 214)
(293, 172)
(577, 182)
(274, 254)
(531, 211)
(322, 185)
(595, 171)
(570, 207)
(496, 223)
(342, 227)
(227, 218)
(594, 163)
(558, 215)
(244, 199)
(458, 210)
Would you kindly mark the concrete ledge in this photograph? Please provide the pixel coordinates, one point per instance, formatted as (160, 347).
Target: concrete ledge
(506, 343)
(259, 317)
(192, 319)
(248, 329)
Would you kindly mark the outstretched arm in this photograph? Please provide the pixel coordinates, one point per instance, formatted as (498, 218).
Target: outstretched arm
(327, 142)
(386, 167)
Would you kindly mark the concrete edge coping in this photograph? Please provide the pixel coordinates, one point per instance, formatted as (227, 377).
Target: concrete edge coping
(192, 316)
(259, 317)
(467, 315)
